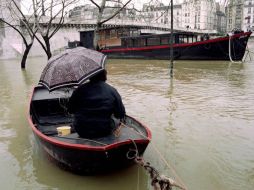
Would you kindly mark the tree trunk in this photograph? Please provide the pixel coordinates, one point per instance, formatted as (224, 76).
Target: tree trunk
(96, 36)
(48, 50)
(24, 57)
(98, 25)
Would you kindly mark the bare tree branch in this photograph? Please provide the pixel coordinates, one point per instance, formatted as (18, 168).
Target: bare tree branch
(17, 15)
(55, 13)
(92, 1)
(116, 13)
(16, 29)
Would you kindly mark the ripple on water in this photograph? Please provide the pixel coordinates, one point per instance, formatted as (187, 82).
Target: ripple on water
(201, 121)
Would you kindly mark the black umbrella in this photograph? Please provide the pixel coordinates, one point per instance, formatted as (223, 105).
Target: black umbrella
(72, 68)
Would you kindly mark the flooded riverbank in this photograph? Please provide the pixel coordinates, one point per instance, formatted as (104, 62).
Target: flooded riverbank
(202, 123)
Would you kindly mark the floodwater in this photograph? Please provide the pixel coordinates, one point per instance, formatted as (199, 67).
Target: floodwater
(202, 122)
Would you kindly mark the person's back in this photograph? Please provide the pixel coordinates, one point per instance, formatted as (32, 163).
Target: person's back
(93, 105)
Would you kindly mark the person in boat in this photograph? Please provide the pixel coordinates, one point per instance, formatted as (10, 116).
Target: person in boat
(97, 107)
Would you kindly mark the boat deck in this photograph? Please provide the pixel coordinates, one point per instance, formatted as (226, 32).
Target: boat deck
(48, 111)
(125, 134)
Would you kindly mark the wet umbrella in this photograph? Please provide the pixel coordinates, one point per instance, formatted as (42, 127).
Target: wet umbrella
(72, 68)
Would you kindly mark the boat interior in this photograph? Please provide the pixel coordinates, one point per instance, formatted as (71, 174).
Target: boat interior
(48, 110)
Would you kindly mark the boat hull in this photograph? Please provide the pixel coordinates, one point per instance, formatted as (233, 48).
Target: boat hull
(214, 49)
(90, 162)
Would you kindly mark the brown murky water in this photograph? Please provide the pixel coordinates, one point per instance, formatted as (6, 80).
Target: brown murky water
(202, 123)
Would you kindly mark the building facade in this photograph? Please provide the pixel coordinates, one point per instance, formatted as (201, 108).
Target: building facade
(248, 15)
(90, 12)
(161, 14)
(234, 14)
(220, 19)
(84, 12)
(199, 14)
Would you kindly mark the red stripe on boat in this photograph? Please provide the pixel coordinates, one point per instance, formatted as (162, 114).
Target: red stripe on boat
(79, 146)
(176, 45)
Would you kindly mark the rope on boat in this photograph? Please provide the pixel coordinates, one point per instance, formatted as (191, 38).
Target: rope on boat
(248, 53)
(83, 139)
(159, 182)
(229, 49)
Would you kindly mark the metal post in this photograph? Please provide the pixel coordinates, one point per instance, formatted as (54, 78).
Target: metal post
(171, 43)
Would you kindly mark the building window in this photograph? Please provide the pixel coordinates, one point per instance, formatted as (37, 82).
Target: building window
(249, 10)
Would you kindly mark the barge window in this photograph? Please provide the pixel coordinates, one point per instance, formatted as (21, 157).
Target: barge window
(135, 33)
(183, 39)
(102, 35)
(129, 43)
(165, 41)
(194, 39)
(113, 34)
(153, 41)
(122, 32)
(135, 42)
(124, 43)
(141, 42)
(107, 34)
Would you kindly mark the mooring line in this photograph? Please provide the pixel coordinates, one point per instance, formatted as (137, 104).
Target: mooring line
(161, 157)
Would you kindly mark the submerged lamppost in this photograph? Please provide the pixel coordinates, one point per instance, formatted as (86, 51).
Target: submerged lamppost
(171, 42)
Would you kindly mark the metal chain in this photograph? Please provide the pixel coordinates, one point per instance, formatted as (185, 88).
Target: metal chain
(134, 154)
(159, 182)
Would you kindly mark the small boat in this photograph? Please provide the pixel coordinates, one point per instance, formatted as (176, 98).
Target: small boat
(47, 111)
(187, 46)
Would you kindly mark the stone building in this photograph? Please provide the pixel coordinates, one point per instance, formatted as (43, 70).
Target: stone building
(84, 12)
(199, 14)
(248, 15)
(90, 12)
(220, 18)
(234, 14)
(161, 14)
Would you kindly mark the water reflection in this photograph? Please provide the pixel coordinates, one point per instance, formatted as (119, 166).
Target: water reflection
(201, 120)
(57, 178)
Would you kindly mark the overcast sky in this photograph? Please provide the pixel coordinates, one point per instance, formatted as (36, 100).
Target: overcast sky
(26, 4)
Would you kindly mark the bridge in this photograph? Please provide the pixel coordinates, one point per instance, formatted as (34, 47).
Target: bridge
(13, 46)
(84, 24)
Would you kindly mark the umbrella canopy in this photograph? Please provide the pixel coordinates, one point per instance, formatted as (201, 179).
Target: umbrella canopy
(72, 68)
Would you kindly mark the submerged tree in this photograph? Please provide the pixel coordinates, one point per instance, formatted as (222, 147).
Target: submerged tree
(13, 17)
(102, 5)
(49, 16)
